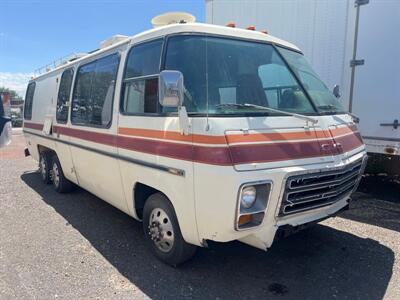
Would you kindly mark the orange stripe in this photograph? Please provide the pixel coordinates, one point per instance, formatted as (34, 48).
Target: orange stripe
(234, 138)
(173, 135)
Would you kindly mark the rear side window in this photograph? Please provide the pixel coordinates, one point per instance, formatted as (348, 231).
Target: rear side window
(29, 101)
(140, 86)
(63, 96)
(93, 95)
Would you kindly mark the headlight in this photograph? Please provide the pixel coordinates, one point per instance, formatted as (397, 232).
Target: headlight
(252, 204)
(249, 196)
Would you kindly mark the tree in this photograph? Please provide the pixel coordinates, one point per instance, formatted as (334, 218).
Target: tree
(12, 93)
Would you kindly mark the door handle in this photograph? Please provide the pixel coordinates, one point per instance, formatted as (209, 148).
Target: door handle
(395, 124)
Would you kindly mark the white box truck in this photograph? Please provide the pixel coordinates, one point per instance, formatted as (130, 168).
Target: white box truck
(354, 44)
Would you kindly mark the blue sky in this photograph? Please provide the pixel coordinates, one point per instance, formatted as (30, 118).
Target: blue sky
(35, 32)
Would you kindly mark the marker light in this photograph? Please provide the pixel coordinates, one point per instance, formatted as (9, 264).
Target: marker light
(264, 31)
(248, 196)
(245, 219)
(252, 27)
(230, 24)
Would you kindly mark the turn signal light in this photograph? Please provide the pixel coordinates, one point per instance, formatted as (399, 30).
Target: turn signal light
(244, 219)
(231, 24)
(252, 27)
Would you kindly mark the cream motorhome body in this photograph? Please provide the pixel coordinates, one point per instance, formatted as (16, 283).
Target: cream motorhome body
(203, 132)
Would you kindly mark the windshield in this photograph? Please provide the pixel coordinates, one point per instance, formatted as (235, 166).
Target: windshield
(221, 74)
(322, 97)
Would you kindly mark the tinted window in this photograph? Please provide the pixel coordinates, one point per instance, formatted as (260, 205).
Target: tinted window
(94, 92)
(29, 100)
(319, 93)
(63, 96)
(144, 59)
(140, 95)
(223, 75)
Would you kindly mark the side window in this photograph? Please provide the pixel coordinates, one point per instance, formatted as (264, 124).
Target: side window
(93, 94)
(29, 101)
(64, 92)
(140, 86)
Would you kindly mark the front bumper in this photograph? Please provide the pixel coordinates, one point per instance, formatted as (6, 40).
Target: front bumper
(277, 222)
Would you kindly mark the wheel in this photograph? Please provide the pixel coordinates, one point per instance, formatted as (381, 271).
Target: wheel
(60, 183)
(44, 167)
(162, 231)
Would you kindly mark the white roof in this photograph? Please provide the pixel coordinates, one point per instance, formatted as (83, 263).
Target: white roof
(184, 28)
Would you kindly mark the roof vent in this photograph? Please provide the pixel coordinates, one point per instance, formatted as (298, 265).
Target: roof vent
(112, 40)
(172, 18)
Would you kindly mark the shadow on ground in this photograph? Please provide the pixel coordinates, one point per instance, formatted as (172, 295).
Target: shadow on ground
(318, 263)
(376, 202)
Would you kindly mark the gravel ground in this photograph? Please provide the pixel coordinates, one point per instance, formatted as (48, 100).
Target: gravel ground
(77, 246)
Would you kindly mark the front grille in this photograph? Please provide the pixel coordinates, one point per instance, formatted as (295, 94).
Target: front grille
(309, 191)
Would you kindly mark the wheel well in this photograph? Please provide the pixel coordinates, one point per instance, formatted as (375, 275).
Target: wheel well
(141, 193)
(42, 149)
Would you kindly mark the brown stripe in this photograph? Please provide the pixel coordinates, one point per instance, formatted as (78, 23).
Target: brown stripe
(276, 152)
(35, 126)
(101, 138)
(349, 142)
(237, 154)
(235, 138)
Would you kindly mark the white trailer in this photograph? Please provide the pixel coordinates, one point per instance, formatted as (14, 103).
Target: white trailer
(351, 43)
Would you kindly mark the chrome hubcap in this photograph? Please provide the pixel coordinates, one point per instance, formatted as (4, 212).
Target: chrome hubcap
(161, 230)
(56, 175)
(42, 167)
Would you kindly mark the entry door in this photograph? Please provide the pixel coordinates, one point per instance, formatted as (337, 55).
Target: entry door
(376, 87)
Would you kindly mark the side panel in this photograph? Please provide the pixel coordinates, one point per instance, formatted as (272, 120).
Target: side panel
(376, 92)
(95, 156)
(145, 139)
(43, 104)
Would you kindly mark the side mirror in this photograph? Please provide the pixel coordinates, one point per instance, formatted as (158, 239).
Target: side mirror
(170, 88)
(336, 91)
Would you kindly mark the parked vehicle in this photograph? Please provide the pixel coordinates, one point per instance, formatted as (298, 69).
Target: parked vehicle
(5, 120)
(202, 132)
(16, 116)
(336, 36)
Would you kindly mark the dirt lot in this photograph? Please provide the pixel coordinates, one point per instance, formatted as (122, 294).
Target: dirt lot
(77, 246)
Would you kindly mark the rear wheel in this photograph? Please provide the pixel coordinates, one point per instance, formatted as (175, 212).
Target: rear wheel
(44, 167)
(60, 183)
(162, 231)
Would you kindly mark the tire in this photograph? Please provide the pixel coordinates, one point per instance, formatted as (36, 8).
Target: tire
(44, 167)
(162, 231)
(60, 183)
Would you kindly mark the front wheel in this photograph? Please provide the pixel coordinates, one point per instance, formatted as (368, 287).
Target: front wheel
(162, 231)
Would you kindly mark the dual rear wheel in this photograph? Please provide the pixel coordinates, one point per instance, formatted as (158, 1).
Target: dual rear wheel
(51, 172)
(160, 224)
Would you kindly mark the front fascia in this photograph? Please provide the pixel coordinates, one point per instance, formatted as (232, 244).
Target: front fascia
(216, 185)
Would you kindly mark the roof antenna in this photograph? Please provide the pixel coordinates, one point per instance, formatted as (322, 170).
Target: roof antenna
(172, 18)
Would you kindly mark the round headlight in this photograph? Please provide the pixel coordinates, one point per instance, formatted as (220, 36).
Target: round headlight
(248, 196)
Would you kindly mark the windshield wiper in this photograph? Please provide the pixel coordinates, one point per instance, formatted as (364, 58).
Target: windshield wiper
(332, 109)
(329, 107)
(248, 105)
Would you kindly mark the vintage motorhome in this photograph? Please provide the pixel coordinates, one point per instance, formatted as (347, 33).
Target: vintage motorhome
(203, 132)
